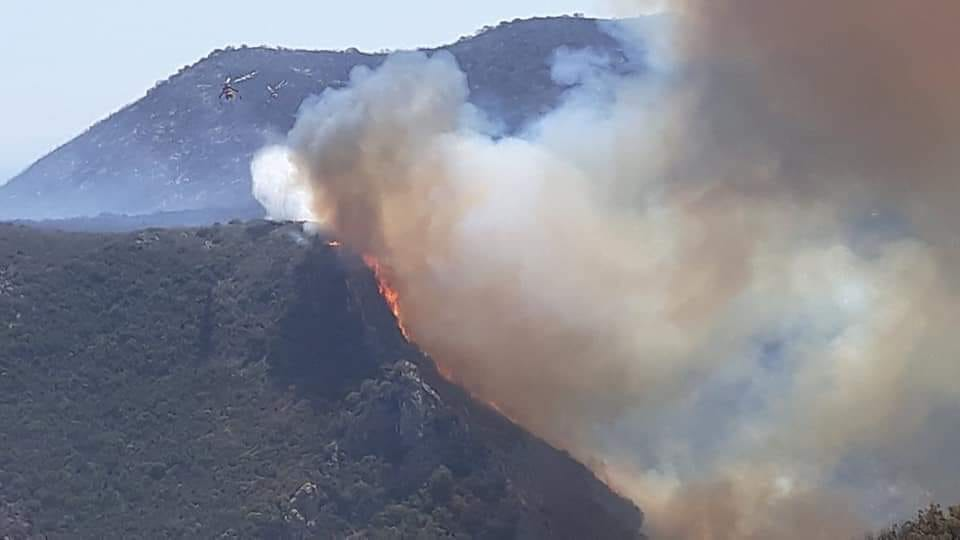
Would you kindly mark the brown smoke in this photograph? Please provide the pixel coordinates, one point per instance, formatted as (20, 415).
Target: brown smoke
(864, 89)
(611, 277)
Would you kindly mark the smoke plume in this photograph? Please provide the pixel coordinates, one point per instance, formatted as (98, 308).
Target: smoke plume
(728, 283)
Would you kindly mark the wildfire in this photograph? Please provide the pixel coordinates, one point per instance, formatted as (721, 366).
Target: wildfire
(333, 243)
(392, 298)
(389, 294)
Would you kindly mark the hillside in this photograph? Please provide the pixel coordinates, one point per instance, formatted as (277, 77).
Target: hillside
(181, 148)
(244, 381)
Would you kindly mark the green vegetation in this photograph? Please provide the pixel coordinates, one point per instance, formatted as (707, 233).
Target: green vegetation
(933, 523)
(243, 381)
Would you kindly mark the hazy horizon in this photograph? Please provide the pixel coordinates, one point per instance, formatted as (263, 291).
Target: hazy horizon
(74, 65)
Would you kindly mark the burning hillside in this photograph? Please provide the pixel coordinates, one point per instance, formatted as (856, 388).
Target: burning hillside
(730, 280)
(390, 296)
(392, 299)
(201, 410)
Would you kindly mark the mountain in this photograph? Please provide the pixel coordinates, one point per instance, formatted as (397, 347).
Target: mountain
(180, 148)
(247, 381)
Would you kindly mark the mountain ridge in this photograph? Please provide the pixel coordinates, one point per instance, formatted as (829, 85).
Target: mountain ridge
(179, 148)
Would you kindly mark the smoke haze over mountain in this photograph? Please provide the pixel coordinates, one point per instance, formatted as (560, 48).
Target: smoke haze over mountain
(727, 284)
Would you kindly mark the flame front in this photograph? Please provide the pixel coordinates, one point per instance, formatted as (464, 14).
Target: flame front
(392, 298)
(389, 294)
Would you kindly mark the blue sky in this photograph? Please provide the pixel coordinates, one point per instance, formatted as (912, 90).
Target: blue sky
(67, 64)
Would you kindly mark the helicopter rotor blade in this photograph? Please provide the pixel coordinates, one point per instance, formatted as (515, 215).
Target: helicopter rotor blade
(246, 77)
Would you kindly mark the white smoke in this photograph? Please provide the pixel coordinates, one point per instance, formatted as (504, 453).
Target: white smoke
(275, 185)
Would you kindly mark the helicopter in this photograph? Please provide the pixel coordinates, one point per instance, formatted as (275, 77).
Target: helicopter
(274, 90)
(229, 92)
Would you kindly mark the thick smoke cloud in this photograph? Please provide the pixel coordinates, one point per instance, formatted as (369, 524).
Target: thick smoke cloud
(728, 284)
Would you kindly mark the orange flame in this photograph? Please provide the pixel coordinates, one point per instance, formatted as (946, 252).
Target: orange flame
(392, 298)
(389, 294)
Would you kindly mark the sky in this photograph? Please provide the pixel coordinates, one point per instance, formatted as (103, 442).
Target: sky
(68, 64)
